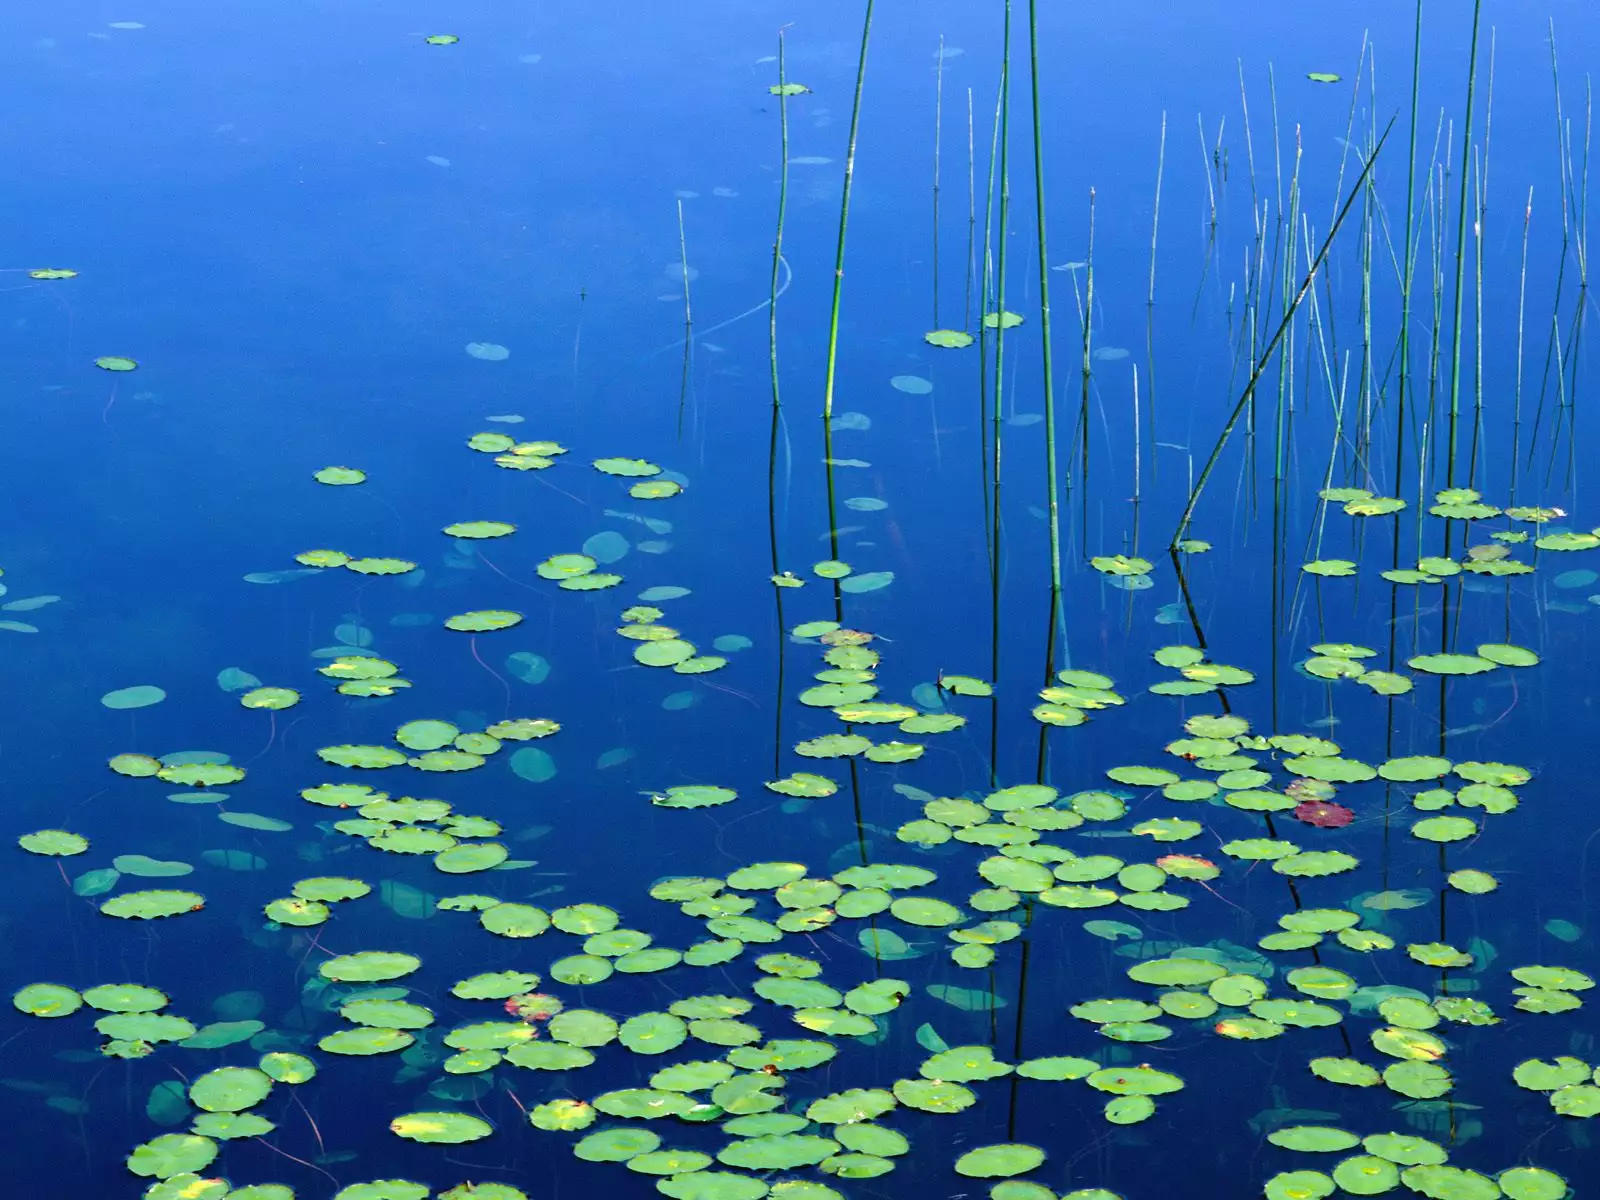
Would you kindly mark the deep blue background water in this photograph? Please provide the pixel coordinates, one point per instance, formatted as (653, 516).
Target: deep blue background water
(249, 196)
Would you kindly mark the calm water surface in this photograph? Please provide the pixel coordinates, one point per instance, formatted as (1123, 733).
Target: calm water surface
(320, 239)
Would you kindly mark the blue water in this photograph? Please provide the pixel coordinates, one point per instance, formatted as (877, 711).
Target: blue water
(297, 222)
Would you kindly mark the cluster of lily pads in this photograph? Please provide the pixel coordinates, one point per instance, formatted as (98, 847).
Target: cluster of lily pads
(1572, 1085)
(652, 484)
(722, 1087)
(661, 645)
(1464, 505)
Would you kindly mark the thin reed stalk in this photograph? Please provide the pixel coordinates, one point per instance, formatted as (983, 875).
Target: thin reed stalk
(777, 409)
(1051, 487)
(1052, 470)
(1266, 355)
(844, 225)
(688, 322)
(1522, 302)
(838, 294)
(1004, 133)
(1461, 236)
(938, 123)
(972, 220)
(832, 373)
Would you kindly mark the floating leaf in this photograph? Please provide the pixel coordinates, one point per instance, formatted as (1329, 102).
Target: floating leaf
(150, 905)
(446, 1128)
(340, 476)
(1450, 664)
(47, 1000)
(56, 843)
(999, 1161)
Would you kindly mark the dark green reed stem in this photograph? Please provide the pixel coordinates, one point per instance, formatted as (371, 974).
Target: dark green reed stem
(1405, 308)
(1267, 353)
(1150, 309)
(1408, 256)
(999, 376)
(832, 372)
(777, 408)
(1445, 624)
(938, 119)
(1461, 240)
(1051, 470)
(1022, 993)
(688, 321)
(844, 224)
(838, 293)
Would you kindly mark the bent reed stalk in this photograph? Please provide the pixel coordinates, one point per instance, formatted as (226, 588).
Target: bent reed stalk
(1266, 355)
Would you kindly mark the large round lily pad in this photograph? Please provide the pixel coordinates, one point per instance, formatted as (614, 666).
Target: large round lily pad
(999, 1161)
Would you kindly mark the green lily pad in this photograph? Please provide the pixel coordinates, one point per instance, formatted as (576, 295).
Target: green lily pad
(1366, 1175)
(1531, 1183)
(340, 476)
(172, 1154)
(48, 1000)
(151, 905)
(934, 1095)
(440, 1128)
(230, 1089)
(368, 966)
(1299, 1185)
(777, 1152)
(1404, 1149)
(1439, 1182)
(1319, 1138)
(285, 1067)
(1348, 1071)
(362, 1043)
(1553, 978)
(999, 1161)
(1450, 664)
(53, 842)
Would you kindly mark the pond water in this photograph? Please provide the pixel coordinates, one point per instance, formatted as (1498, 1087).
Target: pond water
(562, 633)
